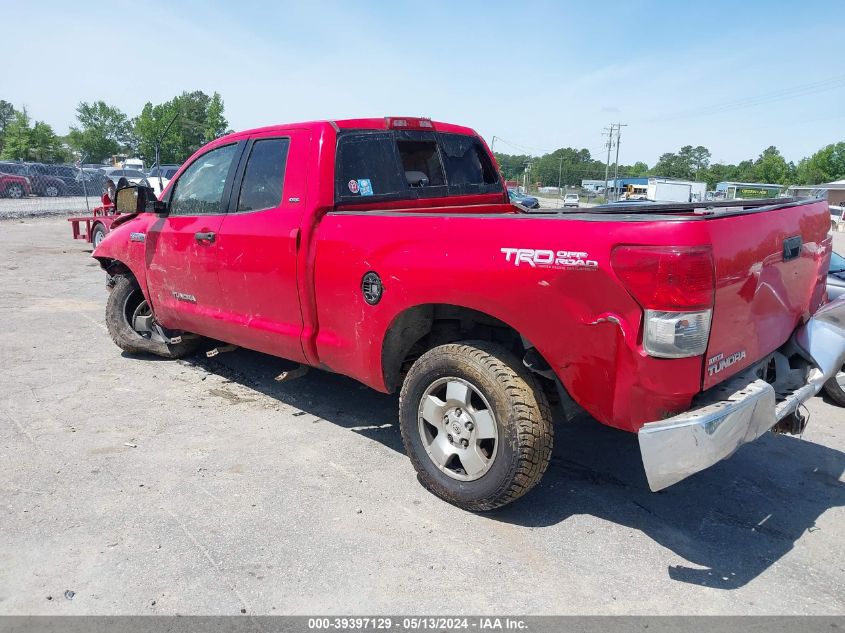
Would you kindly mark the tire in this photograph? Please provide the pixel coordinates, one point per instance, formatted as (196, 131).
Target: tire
(51, 191)
(15, 191)
(835, 388)
(125, 298)
(97, 234)
(487, 388)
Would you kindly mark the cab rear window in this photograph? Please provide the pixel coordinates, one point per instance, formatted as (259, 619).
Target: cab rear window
(403, 164)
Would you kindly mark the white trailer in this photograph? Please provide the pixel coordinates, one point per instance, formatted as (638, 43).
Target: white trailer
(665, 190)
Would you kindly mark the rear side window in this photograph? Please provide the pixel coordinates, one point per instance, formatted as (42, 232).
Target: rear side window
(367, 165)
(261, 187)
(410, 165)
(466, 162)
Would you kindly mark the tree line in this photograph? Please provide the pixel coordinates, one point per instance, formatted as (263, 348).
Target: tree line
(102, 131)
(569, 166)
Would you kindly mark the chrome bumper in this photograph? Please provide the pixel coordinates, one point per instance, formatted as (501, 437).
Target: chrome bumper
(740, 409)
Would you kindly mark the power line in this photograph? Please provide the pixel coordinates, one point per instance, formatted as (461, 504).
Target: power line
(801, 90)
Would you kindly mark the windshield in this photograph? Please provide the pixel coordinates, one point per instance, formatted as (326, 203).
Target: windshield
(571, 196)
(837, 263)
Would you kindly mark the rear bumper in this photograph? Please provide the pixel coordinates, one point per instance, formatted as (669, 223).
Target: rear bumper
(740, 409)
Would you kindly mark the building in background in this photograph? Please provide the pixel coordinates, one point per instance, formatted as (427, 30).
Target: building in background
(592, 185)
(833, 191)
(747, 190)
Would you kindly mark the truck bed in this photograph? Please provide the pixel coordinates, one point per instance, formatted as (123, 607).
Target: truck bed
(581, 319)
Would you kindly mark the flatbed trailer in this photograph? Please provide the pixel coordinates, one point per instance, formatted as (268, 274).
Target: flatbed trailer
(93, 228)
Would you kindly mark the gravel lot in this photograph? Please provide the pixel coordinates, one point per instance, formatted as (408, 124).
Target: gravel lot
(204, 487)
(41, 206)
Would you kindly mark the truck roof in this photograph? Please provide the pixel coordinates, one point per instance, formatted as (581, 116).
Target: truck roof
(381, 123)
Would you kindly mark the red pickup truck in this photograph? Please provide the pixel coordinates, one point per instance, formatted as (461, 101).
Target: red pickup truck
(387, 250)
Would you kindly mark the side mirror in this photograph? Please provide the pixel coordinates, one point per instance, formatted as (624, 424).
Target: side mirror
(133, 199)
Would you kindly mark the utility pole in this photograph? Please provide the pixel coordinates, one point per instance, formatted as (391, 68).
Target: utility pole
(559, 170)
(619, 127)
(607, 164)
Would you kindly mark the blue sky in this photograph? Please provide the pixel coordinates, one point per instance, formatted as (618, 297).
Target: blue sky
(734, 77)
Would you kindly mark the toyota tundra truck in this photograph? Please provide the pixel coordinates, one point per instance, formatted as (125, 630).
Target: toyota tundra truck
(387, 250)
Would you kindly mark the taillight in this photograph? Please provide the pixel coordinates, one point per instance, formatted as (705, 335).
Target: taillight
(666, 277)
(675, 286)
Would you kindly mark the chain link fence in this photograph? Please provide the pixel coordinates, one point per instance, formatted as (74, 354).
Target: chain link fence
(29, 189)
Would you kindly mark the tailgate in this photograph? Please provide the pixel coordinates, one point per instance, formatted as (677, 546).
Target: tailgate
(768, 281)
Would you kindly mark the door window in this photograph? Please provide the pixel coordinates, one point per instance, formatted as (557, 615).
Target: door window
(199, 190)
(261, 187)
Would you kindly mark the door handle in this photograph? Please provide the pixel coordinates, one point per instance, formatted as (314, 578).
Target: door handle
(205, 237)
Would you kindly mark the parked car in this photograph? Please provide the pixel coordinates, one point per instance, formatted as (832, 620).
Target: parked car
(529, 202)
(835, 387)
(43, 184)
(132, 175)
(158, 177)
(12, 186)
(68, 174)
(95, 181)
(571, 200)
(837, 218)
(406, 267)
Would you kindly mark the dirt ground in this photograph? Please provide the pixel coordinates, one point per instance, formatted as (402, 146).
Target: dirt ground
(204, 487)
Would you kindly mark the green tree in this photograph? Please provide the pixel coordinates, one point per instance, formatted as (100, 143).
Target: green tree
(717, 173)
(771, 167)
(669, 165)
(826, 165)
(7, 113)
(198, 120)
(215, 122)
(637, 170)
(18, 137)
(44, 142)
(149, 126)
(512, 166)
(744, 172)
(103, 131)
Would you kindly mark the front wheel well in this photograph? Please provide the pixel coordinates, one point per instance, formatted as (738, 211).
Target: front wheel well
(423, 327)
(114, 267)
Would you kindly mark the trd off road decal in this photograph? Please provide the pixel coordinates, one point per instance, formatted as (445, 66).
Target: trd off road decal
(719, 362)
(542, 258)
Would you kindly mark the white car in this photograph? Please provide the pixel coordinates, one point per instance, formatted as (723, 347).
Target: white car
(837, 218)
(160, 176)
(571, 200)
(134, 176)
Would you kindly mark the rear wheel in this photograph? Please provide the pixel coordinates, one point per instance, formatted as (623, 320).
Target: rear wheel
(835, 388)
(130, 321)
(14, 191)
(475, 424)
(51, 191)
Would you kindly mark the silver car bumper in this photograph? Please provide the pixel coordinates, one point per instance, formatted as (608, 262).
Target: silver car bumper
(740, 409)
